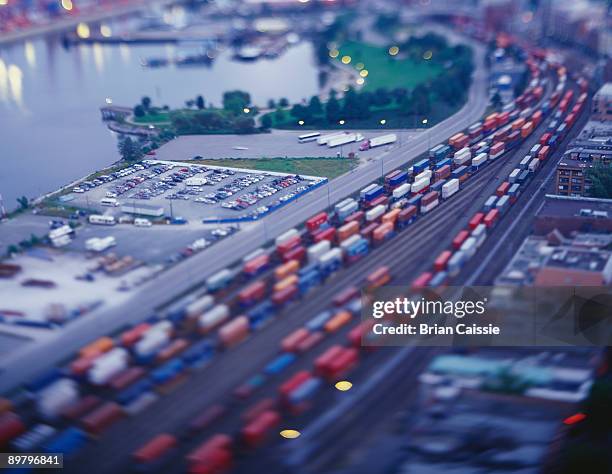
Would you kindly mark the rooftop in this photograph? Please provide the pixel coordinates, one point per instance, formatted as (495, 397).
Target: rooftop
(605, 90)
(566, 206)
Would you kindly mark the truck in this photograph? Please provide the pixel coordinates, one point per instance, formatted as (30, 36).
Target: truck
(344, 139)
(324, 139)
(378, 141)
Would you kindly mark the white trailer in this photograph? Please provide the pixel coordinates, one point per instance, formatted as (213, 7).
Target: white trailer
(378, 141)
(375, 213)
(344, 139)
(401, 191)
(449, 188)
(419, 185)
(322, 140)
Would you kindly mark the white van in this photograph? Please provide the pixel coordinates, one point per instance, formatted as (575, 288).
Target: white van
(111, 202)
(142, 222)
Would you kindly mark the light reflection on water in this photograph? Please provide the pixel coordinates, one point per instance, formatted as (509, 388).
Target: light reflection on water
(51, 131)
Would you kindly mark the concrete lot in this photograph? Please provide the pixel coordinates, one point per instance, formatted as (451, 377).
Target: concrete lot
(278, 143)
(258, 191)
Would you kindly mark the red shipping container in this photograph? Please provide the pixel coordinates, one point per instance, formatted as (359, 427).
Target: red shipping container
(345, 296)
(252, 293)
(380, 200)
(288, 244)
(309, 342)
(284, 295)
(11, 426)
(491, 218)
(296, 253)
(366, 232)
(356, 334)
(155, 449)
(378, 277)
(293, 382)
(421, 281)
(355, 217)
(325, 234)
(442, 260)
(429, 198)
(341, 364)
(382, 232)
(290, 342)
(257, 430)
(543, 153)
(256, 265)
(214, 453)
(536, 118)
(131, 336)
(101, 418)
(502, 189)
(459, 239)
(171, 350)
(477, 219)
(126, 378)
(253, 412)
(443, 172)
(544, 139)
(316, 221)
(206, 418)
(407, 213)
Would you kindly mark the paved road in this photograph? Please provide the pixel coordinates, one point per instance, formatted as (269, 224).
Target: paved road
(24, 364)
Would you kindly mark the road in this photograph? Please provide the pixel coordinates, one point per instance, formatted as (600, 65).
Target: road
(24, 364)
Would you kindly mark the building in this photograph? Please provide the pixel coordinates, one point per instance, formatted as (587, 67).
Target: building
(574, 266)
(574, 215)
(602, 103)
(143, 210)
(572, 178)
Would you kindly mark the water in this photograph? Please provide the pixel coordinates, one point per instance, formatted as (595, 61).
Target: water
(50, 127)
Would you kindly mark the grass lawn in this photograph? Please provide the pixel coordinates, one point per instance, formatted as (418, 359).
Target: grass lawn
(324, 167)
(385, 70)
(160, 117)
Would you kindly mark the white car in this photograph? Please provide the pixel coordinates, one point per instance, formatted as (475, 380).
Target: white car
(78, 190)
(142, 222)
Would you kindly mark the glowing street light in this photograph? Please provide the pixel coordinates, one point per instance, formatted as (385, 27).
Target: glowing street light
(346, 59)
(67, 5)
(360, 81)
(290, 434)
(364, 73)
(334, 53)
(82, 30)
(301, 122)
(427, 55)
(246, 110)
(424, 122)
(383, 121)
(106, 31)
(344, 385)
(341, 122)
(393, 50)
(108, 100)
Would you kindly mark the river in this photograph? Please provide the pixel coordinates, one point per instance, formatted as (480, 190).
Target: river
(50, 126)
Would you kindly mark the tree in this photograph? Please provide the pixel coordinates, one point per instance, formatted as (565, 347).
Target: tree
(300, 112)
(199, 102)
(314, 106)
(129, 150)
(420, 96)
(399, 94)
(244, 125)
(279, 116)
(382, 97)
(145, 102)
(283, 102)
(266, 122)
(271, 104)
(601, 181)
(24, 203)
(189, 103)
(332, 109)
(236, 101)
(139, 111)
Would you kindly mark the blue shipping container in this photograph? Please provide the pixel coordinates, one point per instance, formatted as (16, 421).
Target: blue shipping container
(374, 193)
(167, 371)
(134, 391)
(317, 323)
(459, 172)
(420, 166)
(68, 442)
(305, 391)
(199, 353)
(279, 364)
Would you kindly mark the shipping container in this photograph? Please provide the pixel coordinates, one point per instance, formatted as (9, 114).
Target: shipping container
(234, 331)
(206, 418)
(420, 186)
(281, 297)
(490, 203)
(154, 450)
(253, 292)
(286, 269)
(11, 426)
(401, 191)
(219, 280)
(421, 281)
(544, 153)
(407, 216)
(503, 204)
(213, 318)
(256, 266)
(316, 221)
(502, 189)
(214, 456)
(290, 342)
(279, 364)
(514, 175)
(297, 253)
(102, 418)
(338, 320)
(291, 233)
(459, 239)
(420, 166)
(345, 296)
(375, 213)
(449, 188)
(347, 230)
(491, 218)
(328, 234)
(287, 245)
(442, 260)
(378, 278)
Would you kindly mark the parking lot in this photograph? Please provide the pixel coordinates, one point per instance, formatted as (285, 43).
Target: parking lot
(190, 192)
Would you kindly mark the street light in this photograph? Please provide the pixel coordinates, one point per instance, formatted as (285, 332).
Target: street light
(424, 122)
(246, 110)
(383, 121)
(301, 122)
(341, 122)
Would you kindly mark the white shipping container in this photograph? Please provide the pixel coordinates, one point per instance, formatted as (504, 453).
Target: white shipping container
(490, 203)
(462, 156)
(400, 204)
(401, 191)
(350, 241)
(200, 305)
(525, 162)
(479, 159)
(514, 175)
(469, 247)
(214, 317)
(333, 254)
(254, 254)
(375, 213)
(534, 149)
(425, 208)
(534, 165)
(151, 343)
(218, 278)
(480, 234)
(449, 188)
(343, 203)
(347, 210)
(455, 263)
(285, 236)
(32, 439)
(366, 190)
(425, 174)
(419, 185)
(316, 250)
(51, 400)
(164, 326)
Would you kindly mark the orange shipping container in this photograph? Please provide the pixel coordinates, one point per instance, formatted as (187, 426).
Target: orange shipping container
(347, 230)
(382, 231)
(286, 269)
(154, 449)
(518, 123)
(104, 344)
(101, 418)
(526, 129)
(391, 216)
(337, 321)
(174, 348)
(286, 282)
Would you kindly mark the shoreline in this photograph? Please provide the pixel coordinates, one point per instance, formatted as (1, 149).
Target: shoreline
(69, 23)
